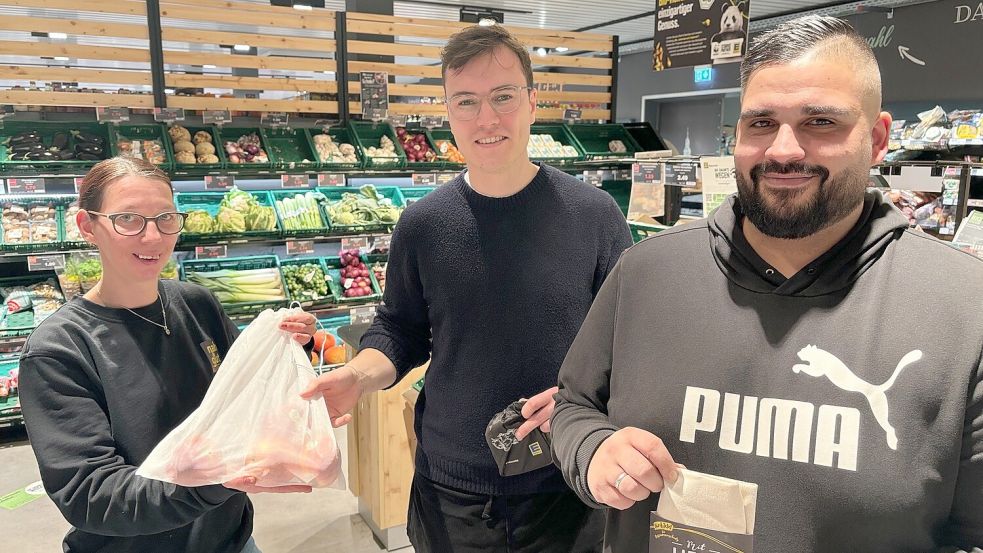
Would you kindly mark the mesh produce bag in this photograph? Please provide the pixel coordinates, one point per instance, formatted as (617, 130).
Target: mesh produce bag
(252, 421)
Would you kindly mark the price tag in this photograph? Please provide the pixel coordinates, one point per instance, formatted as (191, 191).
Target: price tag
(216, 117)
(355, 243)
(300, 247)
(572, 115)
(78, 182)
(168, 115)
(20, 185)
(219, 182)
(112, 114)
(381, 244)
(295, 181)
(424, 179)
(275, 119)
(682, 174)
(398, 120)
(362, 315)
(622, 174)
(597, 178)
(375, 95)
(444, 178)
(432, 121)
(211, 252)
(325, 124)
(331, 179)
(646, 173)
(45, 262)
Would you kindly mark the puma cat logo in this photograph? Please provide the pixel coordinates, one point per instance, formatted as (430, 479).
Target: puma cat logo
(821, 363)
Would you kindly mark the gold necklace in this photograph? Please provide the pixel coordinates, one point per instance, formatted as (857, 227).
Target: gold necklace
(162, 312)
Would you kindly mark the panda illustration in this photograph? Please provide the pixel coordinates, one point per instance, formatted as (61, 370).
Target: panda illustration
(728, 45)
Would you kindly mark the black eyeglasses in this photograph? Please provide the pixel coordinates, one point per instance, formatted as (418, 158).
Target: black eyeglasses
(132, 224)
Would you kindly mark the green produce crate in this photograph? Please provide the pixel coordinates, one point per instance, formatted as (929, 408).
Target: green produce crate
(280, 195)
(620, 190)
(559, 133)
(48, 130)
(23, 323)
(67, 242)
(199, 168)
(335, 193)
(10, 412)
(209, 201)
(126, 133)
(368, 134)
(334, 268)
(435, 165)
(412, 194)
(340, 135)
(189, 266)
(444, 134)
(594, 139)
(290, 149)
(306, 302)
(232, 134)
(641, 231)
(31, 245)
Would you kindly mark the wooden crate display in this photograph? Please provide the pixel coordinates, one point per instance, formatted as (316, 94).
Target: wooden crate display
(580, 70)
(110, 38)
(290, 69)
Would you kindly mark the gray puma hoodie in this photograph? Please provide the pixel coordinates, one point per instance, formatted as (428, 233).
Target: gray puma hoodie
(851, 393)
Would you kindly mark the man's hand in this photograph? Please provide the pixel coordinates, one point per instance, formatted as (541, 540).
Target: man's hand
(302, 325)
(341, 390)
(537, 411)
(248, 484)
(628, 467)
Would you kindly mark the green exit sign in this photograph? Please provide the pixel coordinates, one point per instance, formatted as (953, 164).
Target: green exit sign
(702, 74)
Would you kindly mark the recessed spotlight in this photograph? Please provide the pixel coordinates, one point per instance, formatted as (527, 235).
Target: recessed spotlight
(59, 36)
(541, 52)
(486, 22)
(241, 47)
(561, 48)
(303, 7)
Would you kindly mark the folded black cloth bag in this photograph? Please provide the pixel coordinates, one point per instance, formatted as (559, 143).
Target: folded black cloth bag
(512, 456)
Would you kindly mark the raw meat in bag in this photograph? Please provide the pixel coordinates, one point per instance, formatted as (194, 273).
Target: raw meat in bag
(252, 421)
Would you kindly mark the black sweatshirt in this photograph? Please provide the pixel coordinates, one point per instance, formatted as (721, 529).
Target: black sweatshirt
(100, 388)
(498, 287)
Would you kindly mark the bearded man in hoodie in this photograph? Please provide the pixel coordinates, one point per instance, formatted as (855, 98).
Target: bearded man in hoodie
(776, 342)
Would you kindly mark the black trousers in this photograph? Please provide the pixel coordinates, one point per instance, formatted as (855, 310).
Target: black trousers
(446, 520)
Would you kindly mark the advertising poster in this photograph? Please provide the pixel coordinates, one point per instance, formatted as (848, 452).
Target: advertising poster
(699, 32)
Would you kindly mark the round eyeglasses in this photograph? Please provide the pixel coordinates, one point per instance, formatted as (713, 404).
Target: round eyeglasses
(132, 224)
(503, 100)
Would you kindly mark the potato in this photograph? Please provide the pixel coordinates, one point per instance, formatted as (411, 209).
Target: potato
(204, 149)
(179, 133)
(185, 157)
(184, 146)
(208, 158)
(202, 137)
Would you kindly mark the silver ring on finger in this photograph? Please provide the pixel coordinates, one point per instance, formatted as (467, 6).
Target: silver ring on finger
(617, 481)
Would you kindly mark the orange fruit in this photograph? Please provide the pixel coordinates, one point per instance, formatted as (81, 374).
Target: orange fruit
(335, 355)
(314, 360)
(323, 340)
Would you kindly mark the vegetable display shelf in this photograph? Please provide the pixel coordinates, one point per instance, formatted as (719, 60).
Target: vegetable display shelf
(59, 146)
(414, 193)
(290, 149)
(338, 283)
(437, 135)
(32, 223)
(339, 135)
(369, 134)
(196, 133)
(559, 133)
(301, 277)
(227, 224)
(10, 411)
(142, 141)
(641, 231)
(236, 291)
(359, 213)
(255, 144)
(22, 323)
(596, 140)
(418, 145)
(300, 213)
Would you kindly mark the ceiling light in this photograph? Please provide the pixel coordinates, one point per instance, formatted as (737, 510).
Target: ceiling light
(486, 22)
(541, 52)
(60, 58)
(303, 7)
(60, 36)
(241, 47)
(208, 66)
(168, 91)
(561, 48)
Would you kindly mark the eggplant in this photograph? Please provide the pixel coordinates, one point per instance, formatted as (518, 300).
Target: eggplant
(88, 138)
(82, 156)
(30, 136)
(65, 155)
(60, 141)
(87, 148)
(42, 156)
(27, 148)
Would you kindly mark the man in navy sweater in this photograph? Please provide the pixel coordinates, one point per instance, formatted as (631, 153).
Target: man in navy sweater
(490, 277)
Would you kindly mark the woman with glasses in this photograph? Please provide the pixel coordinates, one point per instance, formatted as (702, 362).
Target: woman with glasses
(105, 378)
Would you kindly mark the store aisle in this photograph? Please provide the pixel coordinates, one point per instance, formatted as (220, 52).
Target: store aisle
(324, 521)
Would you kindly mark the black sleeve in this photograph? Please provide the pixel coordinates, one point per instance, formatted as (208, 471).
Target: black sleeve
(401, 329)
(83, 473)
(615, 239)
(965, 526)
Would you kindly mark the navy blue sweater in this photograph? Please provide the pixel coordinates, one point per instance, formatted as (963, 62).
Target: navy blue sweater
(495, 290)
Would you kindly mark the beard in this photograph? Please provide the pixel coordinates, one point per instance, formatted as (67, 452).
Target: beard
(783, 214)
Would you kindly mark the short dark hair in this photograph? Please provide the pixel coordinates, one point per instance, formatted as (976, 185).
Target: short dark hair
(795, 38)
(476, 41)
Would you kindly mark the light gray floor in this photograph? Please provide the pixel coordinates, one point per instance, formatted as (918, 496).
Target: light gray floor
(321, 521)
